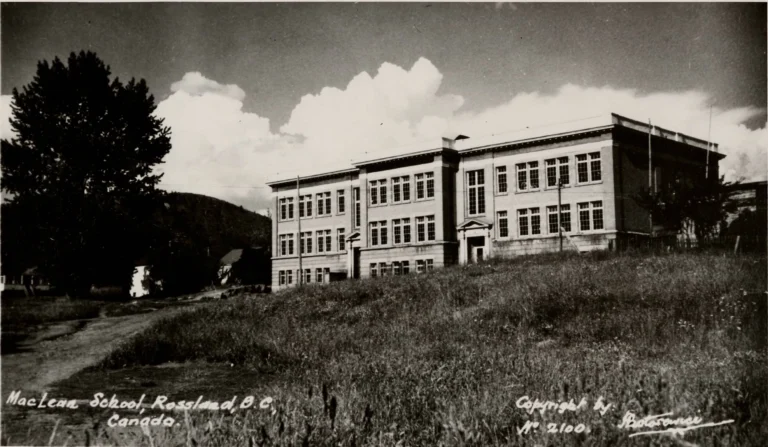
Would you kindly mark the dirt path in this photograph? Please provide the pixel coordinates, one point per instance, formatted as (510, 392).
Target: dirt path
(73, 346)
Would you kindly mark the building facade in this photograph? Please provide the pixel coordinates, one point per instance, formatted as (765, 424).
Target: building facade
(462, 201)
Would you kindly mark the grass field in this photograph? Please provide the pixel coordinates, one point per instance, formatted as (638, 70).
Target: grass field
(442, 358)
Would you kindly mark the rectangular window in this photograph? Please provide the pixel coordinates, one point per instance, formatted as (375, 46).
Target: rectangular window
(535, 221)
(527, 176)
(425, 228)
(378, 192)
(476, 192)
(591, 216)
(501, 179)
(522, 222)
(324, 203)
(281, 276)
(406, 268)
(588, 167)
(286, 208)
(306, 242)
(327, 274)
(328, 241)
(286, 244)
(341, 205)
(401, 189)
(319, 274)
(324, 242)
(357, 207)
(397, 268)
(421, 266)
(305, 206)
(558, 171)
(289, 276)
(503, 224)
(374, 270)
(378, 233)
(425, 185)
(565, 218)
(340, 239)
(383, 269)
(308, 276)
(430, 264)
(401, 231)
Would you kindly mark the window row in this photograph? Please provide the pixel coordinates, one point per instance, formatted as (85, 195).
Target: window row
(397, 268)
(424, 186)
(401, 231)
(321, 275)
(556, 171)
(529, 220)
(320, 206)
(319, 241)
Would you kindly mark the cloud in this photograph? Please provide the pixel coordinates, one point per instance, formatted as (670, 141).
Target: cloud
(686, 112)
(217, 148)
(6, 132)
(196, 84)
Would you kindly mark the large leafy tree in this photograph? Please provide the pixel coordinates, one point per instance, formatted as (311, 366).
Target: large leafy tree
(80, 169)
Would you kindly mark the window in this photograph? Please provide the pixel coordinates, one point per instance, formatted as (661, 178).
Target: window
(397, 268)
(281, 276)
(557, 171)
(340, 239)
(406, 268)
(286, 244)
(378, 233)
(327, 273)
(305, 206)
(289, 276)
(501, 179)
(374, 270)
(319, 274)
(324, 243)
(324, 204)
(401, 231)
(430, 264)
(476, 191)
(522, 222)
(383, 269)
(565, 218)
(286, 208)
(308, 276)
(421, 266)
(425, 228)
(529, 221)
(528, 176)
(591, 216)
(340, 202)
(378, 192)
(401, 189)
(588, 167)
(357, 207)
(503, 224)
(425, 185)
(306, 242)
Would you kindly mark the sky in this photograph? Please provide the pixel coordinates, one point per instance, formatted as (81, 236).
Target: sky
(259, 91)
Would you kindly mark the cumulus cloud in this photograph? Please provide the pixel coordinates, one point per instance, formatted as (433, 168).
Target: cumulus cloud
(686, 112)
(6, 131)
(196, 84)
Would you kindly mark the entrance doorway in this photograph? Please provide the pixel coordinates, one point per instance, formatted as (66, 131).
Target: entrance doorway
(356, 263)
(476, 247)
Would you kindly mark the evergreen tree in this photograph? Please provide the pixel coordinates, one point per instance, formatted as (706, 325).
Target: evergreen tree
(81, 168)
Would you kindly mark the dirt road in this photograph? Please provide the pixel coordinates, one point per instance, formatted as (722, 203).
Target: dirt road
(63, 349)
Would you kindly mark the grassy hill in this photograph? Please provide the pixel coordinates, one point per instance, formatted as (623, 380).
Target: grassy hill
(451, 356)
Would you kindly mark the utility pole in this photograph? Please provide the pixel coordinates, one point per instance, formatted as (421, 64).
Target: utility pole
(300, 244)
(650, 181)
(559, 212)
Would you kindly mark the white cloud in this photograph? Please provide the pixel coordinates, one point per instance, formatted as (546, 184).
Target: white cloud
(196, 84)
(6, 132)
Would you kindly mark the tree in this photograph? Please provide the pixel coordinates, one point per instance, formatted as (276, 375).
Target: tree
(81, 167)
(689, 208)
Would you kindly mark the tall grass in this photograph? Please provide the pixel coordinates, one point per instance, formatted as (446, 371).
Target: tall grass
(441, 358)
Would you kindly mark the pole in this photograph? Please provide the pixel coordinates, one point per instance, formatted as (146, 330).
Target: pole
(559, 212)
(709, 139)
(650, 180)
(301, 238)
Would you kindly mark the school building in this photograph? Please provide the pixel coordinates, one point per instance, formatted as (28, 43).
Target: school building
(461, 200)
